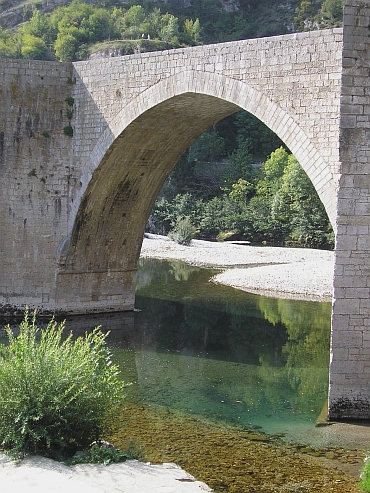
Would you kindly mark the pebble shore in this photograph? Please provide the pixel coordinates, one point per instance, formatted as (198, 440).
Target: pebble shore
(298, 273)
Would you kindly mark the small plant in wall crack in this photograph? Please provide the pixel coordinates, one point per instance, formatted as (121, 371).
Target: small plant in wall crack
(32, 173)
(68, 130)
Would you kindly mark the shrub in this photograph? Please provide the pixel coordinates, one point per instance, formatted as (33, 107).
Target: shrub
(365, 475)
(102, 452)
(57, 395)
(183, 232)
(68, 130)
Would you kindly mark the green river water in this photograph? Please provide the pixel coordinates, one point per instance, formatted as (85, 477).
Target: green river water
(225, 383)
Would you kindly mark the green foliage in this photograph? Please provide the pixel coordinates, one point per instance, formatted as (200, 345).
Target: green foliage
(241, 191)
(183, 231)
(102, 452)
(10, 46)
(365, 475)
(66, 47)
(260, 139)
(332, 13)
(134, 22)
(68, 130)
(34, 48)
(191, 32)
(208, 147)
(239, 165)
(57, 395)
(70, 31)
(276, 203)
(210, 23)
(169, 29)
(305, 15)
(308, 220)
(39, 26)
(316, 14)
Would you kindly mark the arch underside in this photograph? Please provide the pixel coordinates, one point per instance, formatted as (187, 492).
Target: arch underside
(142, 146)
(110, 223)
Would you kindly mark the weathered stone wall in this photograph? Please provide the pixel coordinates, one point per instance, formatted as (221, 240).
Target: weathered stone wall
(36, 162)
(350, 359)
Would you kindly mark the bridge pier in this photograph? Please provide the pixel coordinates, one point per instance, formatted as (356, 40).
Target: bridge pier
(95, 291)
(349, 390)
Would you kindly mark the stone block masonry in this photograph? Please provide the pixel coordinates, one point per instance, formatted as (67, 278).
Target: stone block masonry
(349, 393)
(86, 147)
(36, 173)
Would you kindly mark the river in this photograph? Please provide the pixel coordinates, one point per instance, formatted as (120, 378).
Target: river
(225, 383)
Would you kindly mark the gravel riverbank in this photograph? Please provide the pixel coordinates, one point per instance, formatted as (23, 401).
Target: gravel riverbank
(299, 273)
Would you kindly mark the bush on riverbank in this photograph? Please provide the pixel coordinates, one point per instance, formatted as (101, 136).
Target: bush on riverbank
(57, 395)
(183, 231)
(365, 475)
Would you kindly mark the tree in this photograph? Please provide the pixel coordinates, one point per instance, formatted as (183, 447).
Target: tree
(191, 32)
(209, 147)
(308, 220)
(34, 48)
(10, 46)
(272, 172)
(305, 14)
(169, 29)
(134, 22)
(65, 47)
(239, 165)
(332, 13)
(155, 20)
(241, 191)
(39, 26)
(100, 26)
(261, 139)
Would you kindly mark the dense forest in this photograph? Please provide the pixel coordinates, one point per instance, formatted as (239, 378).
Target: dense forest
(238, 180)
(73, 31)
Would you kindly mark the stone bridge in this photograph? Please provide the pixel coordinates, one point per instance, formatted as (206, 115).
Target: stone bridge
(85, 148)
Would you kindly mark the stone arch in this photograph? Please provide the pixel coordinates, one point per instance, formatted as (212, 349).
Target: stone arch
(134, 156)
(244, 97)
